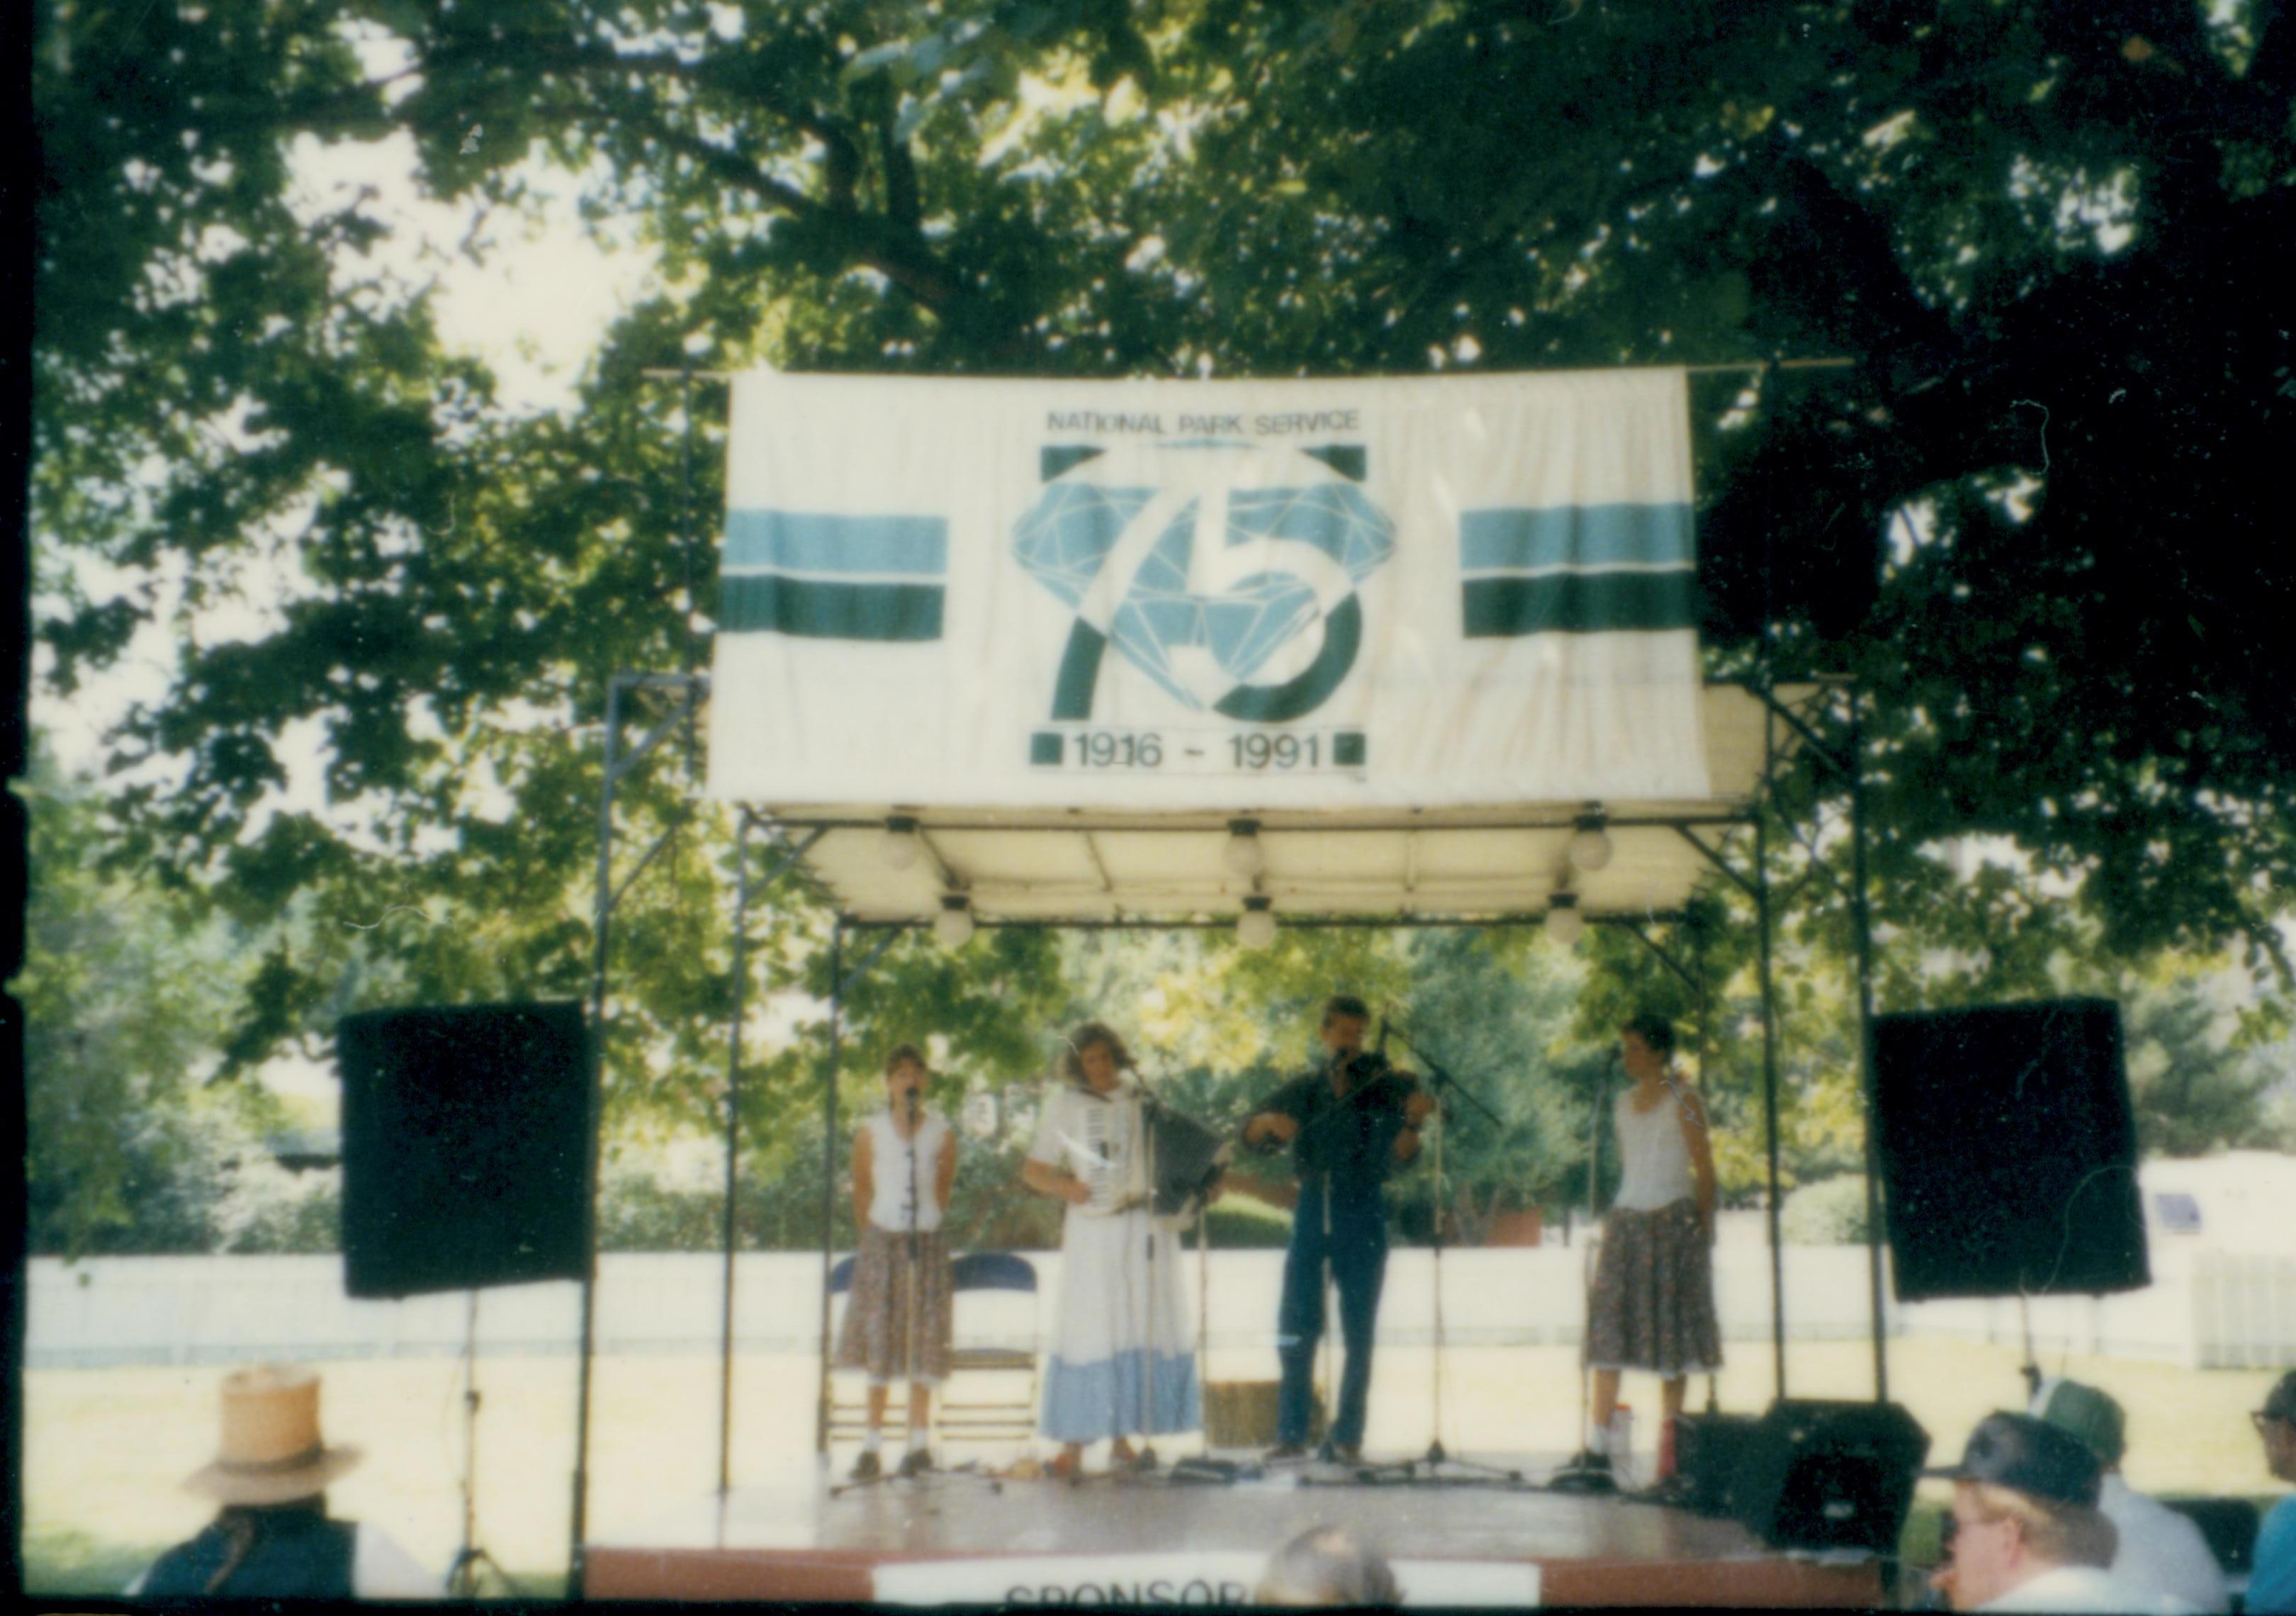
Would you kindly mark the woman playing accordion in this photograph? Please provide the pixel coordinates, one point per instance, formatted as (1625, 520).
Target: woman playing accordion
(1123, 1360)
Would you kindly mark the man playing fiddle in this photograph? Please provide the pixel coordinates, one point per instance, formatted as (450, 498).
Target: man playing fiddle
(1350, 1121)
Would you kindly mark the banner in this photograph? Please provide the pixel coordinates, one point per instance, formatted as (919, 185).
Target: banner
(1214, 594)
(1222, 1578)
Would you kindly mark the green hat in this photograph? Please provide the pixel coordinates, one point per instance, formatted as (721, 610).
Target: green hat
(2085, 1413)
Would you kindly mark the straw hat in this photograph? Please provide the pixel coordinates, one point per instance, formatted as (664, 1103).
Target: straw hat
(271, 1452)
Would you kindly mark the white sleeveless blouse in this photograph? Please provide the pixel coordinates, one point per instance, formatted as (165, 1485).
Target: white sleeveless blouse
(1652, 1152)
(891, 1157)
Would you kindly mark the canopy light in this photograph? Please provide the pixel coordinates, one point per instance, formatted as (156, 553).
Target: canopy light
(1255, 928)
(1590, 844)
(1564, 924)
(1244, 855)
(953, 927)
(900, 847)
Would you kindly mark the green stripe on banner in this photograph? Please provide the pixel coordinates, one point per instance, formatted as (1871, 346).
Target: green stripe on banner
(1580, 602)
(1575, 536)
(804, 542)
(766, 602)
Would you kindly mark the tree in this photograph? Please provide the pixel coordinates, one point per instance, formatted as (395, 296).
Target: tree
(2048, 237)
(125, 1000)
(1498, 1020)
(2193, 1090)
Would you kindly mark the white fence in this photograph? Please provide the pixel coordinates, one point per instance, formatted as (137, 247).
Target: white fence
(210, 1309)
(2205, 1309)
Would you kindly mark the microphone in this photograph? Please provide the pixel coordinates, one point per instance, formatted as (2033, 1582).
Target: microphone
(912, 1095)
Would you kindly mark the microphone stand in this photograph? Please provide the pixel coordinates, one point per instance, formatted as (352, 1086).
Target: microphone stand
(1436, 1459)
(1145, 1143)
(1571, 1479)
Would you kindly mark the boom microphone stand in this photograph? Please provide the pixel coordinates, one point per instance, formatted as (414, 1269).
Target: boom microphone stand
(1436, 1459)
(462, 1576)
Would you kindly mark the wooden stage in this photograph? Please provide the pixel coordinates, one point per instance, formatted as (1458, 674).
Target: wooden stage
(1151, 1541)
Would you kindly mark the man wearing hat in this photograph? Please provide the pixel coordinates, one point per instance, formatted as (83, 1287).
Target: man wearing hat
(2272, 1579)
(2026, 1533)
(273, 1539)
(2160, 1549)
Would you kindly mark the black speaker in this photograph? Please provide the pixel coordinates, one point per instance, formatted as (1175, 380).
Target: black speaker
(1829, 1475)
(2008, 1155)
(1708, 1449)
(466, 1138)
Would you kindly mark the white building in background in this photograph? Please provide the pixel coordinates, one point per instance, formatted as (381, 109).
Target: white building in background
(2220, 1233)
(2239, 1201)
(2225, 1227)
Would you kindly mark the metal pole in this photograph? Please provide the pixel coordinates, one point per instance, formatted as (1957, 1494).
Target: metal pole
(1695, 929)
(829, 1176)
(733, 1149)
(600, 941)
(686, 540)
(1862, 928)
(1770, 1062)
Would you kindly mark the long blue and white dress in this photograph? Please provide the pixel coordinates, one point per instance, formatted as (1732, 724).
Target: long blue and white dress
(1123, 1359)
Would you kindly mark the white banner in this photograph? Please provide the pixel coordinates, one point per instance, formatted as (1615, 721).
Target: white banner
(1217, 595)
(1219, 1576)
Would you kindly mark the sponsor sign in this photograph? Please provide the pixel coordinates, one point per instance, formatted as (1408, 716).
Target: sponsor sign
(1218, 1578)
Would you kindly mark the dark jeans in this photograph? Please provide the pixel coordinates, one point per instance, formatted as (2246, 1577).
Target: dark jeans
(1359, 1259)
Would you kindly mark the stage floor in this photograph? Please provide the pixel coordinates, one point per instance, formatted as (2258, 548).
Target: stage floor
(1133, 1540)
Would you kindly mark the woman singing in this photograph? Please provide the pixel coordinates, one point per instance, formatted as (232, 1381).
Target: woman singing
(1122, 1360)
(898, 1320)
(1652, 1307)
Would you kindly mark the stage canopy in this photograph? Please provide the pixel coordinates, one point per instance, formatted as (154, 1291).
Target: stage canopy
(1458, 863)
(1161, 650)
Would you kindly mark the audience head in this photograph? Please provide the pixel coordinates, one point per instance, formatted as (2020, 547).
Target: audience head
(2275, 1423)
(271, 1452)
(1327, 1565)
(2087, 1413)
(2025, 1502)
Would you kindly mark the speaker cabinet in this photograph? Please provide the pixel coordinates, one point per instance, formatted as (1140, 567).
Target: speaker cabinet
(1708, 1450)
(1829, 1475)
(2007, 1151)
(466, 1140)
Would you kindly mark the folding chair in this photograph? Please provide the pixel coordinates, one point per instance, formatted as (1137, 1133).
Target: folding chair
(968, 1409)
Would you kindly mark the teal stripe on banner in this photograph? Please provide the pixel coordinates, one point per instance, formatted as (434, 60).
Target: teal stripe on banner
(1580, 602)
(767, 602)
(799, 542)
(1579, 535)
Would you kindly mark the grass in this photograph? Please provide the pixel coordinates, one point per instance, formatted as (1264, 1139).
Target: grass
(106, 1449)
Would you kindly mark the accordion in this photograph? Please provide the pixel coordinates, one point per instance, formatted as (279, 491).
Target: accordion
(1171, 1166)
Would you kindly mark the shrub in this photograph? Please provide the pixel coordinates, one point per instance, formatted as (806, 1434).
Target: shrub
(276, 1212)
(1830, 1212)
